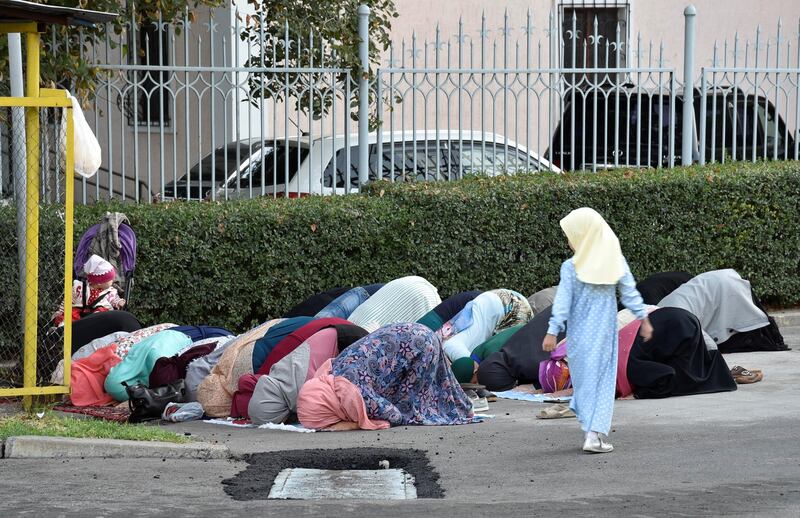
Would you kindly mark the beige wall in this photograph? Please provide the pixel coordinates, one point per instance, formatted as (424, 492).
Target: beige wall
(656, 20)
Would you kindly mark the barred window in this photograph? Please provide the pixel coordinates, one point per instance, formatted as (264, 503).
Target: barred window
(152, 97)
(581, 49)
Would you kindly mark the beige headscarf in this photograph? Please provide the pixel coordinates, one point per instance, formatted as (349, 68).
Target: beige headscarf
(598, 256)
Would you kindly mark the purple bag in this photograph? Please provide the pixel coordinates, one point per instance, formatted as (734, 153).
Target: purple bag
(554, 373)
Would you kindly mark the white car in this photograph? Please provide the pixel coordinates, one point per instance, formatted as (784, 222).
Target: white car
(299, 166)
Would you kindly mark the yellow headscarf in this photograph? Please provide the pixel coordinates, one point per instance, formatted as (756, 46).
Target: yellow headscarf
(598, 256)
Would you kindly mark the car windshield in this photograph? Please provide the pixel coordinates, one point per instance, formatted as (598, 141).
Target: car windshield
(223, 162)
(275, 166)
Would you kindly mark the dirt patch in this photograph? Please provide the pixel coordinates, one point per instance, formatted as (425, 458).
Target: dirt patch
(255, 481)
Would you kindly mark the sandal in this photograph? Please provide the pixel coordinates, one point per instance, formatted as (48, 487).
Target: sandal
(556, 412)
(738, 369)
(745, 377)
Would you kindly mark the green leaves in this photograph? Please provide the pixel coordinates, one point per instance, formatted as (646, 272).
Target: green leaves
(320, 33)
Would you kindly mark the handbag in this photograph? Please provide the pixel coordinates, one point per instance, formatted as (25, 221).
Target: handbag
(147, 403)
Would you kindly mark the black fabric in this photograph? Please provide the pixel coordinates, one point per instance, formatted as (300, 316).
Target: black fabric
(315, 303)
(347, 335)
(450, 307)
(518, 361)
(102, 324)
(147, 403)
(373, 288)
(659, 285)
(765, 339)
(675, 362)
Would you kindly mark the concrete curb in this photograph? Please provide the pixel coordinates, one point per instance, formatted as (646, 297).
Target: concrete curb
(31, 447)
(787, 318)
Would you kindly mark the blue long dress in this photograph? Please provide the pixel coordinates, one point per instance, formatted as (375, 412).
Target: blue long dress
(590, 311)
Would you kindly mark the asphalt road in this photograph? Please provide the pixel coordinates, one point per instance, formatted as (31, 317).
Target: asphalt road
(735, 453)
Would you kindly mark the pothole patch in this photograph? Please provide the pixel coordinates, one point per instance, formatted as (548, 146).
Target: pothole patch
(336, 484)
(352, 473)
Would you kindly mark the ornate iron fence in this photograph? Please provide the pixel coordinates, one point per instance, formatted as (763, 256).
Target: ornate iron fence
(210, 109)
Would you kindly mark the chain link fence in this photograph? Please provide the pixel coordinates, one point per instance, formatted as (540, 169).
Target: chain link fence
(32, 245)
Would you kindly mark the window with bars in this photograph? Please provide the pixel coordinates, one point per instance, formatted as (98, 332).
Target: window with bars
(594, 35)
(152, 98)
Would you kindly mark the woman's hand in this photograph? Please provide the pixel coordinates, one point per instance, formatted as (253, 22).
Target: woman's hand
(342, 426)
(549, 344)
(646, 329)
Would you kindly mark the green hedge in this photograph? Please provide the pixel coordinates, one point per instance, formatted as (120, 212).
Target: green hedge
(237, 263)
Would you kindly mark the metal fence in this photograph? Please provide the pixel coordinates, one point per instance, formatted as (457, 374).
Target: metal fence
(178, 115)
(750, 99)
(506, 105)
(191, 111)
(35, 241)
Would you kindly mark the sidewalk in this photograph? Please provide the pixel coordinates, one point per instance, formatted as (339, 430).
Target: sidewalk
(786, 318)
(732, 453)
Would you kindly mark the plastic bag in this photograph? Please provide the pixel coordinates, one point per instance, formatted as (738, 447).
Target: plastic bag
(179, 412)
(87, 152)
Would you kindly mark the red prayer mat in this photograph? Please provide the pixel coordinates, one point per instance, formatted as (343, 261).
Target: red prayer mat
(108, 413)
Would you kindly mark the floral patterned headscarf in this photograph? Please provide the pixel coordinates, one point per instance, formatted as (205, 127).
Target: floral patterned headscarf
(517, 309)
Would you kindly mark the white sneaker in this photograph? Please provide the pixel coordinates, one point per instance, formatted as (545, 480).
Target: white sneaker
(597, 446)
(479, 404)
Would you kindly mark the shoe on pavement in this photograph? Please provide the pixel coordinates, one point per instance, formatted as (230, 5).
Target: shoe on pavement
(479, 404)
(597, 446)
(490, 396)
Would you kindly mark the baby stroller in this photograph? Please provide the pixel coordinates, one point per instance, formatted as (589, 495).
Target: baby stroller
(112, 239)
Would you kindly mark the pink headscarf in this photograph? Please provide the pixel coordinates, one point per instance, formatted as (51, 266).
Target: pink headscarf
(89, 374)
(326, 400)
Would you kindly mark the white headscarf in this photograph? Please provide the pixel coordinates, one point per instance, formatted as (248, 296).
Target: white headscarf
(598, 256)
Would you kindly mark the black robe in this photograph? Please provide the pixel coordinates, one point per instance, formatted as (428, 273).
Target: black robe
(659, 285)
(675, 361)
(518, 361)
(450, 307)
(763, 339)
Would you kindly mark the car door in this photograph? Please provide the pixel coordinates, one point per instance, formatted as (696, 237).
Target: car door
(420, 160)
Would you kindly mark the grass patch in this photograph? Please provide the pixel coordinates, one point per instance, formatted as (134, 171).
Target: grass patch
(55, 426)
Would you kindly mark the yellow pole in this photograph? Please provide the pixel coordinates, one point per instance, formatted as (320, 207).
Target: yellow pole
(69, 175)
(32, 221)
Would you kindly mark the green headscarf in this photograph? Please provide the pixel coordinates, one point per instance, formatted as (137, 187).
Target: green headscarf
(463, 368)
